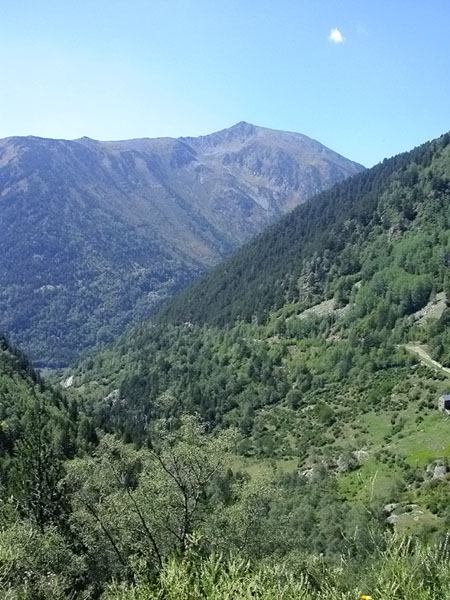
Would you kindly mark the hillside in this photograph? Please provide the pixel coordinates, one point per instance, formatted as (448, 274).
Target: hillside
(93, 235)
(300, 340)
(192, 458)
(368, 223)
(38, 427)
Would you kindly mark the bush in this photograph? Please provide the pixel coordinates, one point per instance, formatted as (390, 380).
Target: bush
(404, 571)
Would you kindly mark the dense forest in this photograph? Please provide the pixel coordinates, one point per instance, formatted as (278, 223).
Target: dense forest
(270, 434)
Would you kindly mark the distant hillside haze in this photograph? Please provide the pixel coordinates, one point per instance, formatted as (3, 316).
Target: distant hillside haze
(94, 235)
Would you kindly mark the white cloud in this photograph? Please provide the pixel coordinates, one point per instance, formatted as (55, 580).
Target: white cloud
(336, 36)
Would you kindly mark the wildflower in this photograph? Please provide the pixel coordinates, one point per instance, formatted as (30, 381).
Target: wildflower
(366, 598)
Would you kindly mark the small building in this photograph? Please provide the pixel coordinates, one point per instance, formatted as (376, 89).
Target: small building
(444, 402)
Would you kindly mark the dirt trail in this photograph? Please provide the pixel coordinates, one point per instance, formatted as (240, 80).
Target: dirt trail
(422, 354)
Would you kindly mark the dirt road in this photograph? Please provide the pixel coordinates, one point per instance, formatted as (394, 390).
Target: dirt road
(422, 354)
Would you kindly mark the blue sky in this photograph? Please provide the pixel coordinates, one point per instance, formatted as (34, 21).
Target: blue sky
(115, 69)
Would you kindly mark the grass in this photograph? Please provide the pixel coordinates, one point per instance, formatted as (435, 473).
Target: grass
(403, 571)
(378, 424)
(410, 432)
(371, 481)
(404, 429)
(421, 352)
(410, 522)
(428, 442)
(255, 467)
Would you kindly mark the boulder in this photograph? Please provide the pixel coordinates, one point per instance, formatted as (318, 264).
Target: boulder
(361, 456)
(440, 472)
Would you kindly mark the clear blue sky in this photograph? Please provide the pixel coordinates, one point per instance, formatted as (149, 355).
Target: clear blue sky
(115, 69)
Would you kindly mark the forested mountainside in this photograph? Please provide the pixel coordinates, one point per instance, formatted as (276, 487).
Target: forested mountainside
(93, 235)
(306, 342)
(393, 216)
(39, 428)
(22, 396)
(293, 452)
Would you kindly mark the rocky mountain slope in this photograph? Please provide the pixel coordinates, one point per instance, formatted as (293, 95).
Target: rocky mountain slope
(93, 235)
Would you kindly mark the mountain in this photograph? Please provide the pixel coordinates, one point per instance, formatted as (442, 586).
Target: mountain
(295, 428)
(93, 235)
(323, 341)
(322, 248)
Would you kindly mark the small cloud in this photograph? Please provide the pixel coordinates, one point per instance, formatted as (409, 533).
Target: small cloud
(336, 36)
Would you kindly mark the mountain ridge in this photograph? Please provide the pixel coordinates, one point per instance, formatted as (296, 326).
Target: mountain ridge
(95, 234)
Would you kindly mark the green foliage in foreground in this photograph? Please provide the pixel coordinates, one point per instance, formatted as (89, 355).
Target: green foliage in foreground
(84, 520)
(403, 571)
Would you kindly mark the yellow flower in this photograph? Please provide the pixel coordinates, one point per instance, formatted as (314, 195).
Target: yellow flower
(366, 598)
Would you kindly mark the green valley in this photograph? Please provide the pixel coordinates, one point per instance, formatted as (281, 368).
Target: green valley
(300, 341)
(270, 432)
(224, 348)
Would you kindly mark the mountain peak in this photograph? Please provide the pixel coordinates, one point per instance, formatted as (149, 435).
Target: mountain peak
(242, 128)
(239, 130)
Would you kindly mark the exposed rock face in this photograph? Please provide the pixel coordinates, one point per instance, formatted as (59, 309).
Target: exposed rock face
(439, 472)
(398, 515)
(361, 456)
(389, 508)
(112, 397)
(343, 464)
(67, 383)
